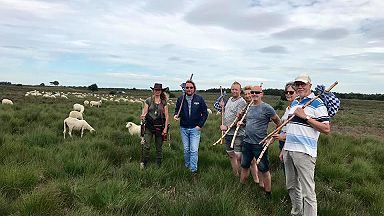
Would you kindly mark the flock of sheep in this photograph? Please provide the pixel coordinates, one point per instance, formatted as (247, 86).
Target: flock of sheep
(75, 120)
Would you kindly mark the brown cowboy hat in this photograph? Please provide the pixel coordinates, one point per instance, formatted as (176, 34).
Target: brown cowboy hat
(159, 86)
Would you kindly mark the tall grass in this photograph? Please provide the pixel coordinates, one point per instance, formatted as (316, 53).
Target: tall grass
(99, 174)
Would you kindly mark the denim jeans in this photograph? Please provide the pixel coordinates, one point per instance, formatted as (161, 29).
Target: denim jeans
(191, 140)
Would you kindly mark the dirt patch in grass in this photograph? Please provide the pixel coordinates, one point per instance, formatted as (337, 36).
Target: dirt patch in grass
(358, 131)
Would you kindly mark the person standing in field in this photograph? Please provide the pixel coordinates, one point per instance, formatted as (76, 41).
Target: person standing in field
(290, 95)
(191, 110)
(256, 124)
(233, 107)
(155, 115)
(256, 175)
(300, 149)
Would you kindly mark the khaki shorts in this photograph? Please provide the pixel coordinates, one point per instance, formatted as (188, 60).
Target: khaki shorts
(236, 146)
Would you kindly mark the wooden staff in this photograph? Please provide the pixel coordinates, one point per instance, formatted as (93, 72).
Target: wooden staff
(238, 126)
(277, 130)
(182, 100)
(222, 113)
(230, 126)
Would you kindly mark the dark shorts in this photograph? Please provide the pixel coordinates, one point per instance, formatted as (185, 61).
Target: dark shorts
(251, 151)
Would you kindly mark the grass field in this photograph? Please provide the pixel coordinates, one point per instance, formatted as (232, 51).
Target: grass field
(43, 174)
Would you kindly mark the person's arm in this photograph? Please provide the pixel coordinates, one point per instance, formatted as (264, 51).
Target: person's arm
(178, 102)
(276, 120)
(204, 113)
(166, 119)
(322, 127)
(144, 112)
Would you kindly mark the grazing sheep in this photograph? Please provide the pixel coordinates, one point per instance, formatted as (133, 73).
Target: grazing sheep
(209, 111)
(133, 128)
(6, 101)
(78, 107)
(95, 103)
(76, 124)
(86, 103)
(76, 114)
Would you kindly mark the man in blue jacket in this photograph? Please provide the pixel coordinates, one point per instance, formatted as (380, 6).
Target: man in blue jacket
(191, 110)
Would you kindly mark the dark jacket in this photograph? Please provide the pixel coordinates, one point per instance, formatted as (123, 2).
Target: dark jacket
(199, 112)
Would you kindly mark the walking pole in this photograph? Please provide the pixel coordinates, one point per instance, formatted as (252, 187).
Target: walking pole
(182, 100)
(290, 118)
(270, 136)
(238, 126)
(222, 113)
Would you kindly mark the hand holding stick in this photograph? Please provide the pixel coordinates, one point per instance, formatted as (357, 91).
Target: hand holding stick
(238, 125)
(176, 117)
(290, 118)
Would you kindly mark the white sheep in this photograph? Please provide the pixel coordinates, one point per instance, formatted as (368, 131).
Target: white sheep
(133, 128)
(78, 107)
(86, 103)
(95, 103)
(6, 101)
(76, 114)
(76, 124)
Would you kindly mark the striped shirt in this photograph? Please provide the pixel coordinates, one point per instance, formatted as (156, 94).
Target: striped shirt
(301, 136)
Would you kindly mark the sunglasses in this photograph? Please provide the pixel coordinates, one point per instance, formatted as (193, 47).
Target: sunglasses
(256, 92)
(289, 92)
(188, 87)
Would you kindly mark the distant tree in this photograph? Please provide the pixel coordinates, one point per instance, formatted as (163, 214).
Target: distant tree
(56, 83)
(42, 84)
(93, 87)
(5, 83)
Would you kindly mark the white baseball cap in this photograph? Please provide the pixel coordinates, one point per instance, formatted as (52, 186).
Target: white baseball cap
(303, 78)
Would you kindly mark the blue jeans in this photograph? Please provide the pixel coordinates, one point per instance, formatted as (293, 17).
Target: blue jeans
(191, 140)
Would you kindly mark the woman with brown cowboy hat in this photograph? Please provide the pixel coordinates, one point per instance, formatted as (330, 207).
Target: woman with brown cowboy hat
(155, 116)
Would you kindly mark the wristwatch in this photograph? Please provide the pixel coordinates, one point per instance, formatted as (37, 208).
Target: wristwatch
(307, 117)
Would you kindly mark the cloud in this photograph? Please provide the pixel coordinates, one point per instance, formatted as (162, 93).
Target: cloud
(235, 16)
(373, 28)
(304, 33)
(274, 49)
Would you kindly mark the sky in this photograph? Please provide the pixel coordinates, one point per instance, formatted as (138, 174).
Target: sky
(135, 43)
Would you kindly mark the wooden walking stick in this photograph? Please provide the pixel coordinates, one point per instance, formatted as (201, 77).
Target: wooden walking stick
(230, 126)
(182, 100)
(238, 126)
(222, 112)
(277, 130)
(290, 118)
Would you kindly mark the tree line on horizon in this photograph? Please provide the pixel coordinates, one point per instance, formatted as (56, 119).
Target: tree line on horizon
(270, 91)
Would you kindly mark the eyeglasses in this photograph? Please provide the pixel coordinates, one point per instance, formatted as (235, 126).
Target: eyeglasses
(187, 87)
(300, 83)
(256, 92)
(289, 92)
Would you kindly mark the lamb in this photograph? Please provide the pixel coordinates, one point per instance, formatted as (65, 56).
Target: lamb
(75, 124)
(76, 114)
(86, 103)
(133, 128)
(78, 107)
(6, 101)
(95, 103)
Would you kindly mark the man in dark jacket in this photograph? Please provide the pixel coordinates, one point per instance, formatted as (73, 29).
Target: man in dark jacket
(191, 110)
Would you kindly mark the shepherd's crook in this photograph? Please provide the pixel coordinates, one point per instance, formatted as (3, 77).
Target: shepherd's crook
(286, 122)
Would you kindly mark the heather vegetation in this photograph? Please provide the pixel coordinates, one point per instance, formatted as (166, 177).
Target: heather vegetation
(99, 174)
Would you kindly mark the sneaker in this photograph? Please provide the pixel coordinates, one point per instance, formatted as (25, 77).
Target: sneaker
(142, 166)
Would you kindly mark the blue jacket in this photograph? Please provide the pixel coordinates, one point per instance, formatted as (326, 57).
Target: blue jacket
(199, 112)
